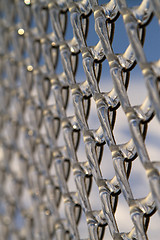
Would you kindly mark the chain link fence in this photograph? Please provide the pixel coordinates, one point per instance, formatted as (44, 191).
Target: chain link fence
(52, 161)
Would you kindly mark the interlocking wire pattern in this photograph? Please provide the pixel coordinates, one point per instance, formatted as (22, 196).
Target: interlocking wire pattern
(39, 139)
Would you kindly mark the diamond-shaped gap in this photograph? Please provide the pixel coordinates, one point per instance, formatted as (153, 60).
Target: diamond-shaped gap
(80, 74)
(138, 180)
(92, 37)
(81, 155)
(69, 28)
(106, 165)
(137, 90)
(59, 66)
(94, 197)
(122, 215)
(70, 108)
(151, 43)
(93, 120)
(120, 39)
(121, 129)
(60, 138)
(153, 139)
(105, 83)
(82, 227)
(153, 231)
(71, 182)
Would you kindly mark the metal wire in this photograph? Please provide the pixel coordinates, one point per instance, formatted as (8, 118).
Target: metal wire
(39, 139)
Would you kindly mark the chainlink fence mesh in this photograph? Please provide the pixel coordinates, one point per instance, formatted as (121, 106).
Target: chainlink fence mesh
(53, 156)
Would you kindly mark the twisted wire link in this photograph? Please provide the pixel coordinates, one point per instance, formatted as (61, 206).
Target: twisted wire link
(39, 140)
